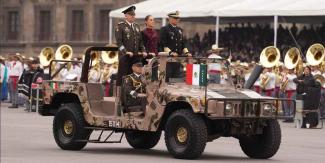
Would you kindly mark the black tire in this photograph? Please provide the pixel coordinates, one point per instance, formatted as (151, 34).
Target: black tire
(67, 139)
(142, 139)
(265, 145)
(185, 134)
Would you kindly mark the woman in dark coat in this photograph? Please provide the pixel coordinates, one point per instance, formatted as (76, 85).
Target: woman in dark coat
(309, 91)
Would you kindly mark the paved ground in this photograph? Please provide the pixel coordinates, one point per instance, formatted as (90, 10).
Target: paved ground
(27, 138)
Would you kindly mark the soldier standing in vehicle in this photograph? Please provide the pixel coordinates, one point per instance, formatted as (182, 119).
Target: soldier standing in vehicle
(135, 88)
(129, 41)
(172, 41)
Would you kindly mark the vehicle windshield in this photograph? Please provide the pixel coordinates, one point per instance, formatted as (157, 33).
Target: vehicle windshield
(198, 71)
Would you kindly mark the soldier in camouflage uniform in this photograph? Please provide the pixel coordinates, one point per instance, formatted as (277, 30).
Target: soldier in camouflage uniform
(135, 88)
(129, 41)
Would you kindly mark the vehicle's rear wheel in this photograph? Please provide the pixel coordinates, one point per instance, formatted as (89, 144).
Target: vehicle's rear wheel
(185, 134)
(142, 139)
(263, 146)
(69, 127)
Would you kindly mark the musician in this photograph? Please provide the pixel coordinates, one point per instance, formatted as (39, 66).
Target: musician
(315, 71)
(288, 91)
(94, 74)
(308, 90)
(105, 79)
(173, 42)
(135, 88)
(322, 101)
(129, 41)
(269, 85)
(15, 71)
(214, 69)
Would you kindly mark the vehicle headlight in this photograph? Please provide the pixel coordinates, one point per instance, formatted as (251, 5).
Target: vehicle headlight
(229, 108)
(268, 109)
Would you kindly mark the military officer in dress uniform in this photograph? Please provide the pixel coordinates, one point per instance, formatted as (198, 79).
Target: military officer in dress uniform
(135, 88)
(172, 41)
(129, 41)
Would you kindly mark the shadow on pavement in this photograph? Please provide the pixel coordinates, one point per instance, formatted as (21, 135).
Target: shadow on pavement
(164, 154)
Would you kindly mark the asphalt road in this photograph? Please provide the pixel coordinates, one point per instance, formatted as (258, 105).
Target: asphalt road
(27, 138)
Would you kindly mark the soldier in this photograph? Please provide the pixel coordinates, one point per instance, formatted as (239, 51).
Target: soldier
(129, 41)
(171, 37)
(289, 88)
(135, 88)
(172, 41)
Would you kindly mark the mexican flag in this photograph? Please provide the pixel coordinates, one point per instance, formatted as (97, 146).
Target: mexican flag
(196, 74)
(55, 85)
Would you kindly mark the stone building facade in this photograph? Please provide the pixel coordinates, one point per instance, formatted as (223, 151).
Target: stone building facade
(27, 26)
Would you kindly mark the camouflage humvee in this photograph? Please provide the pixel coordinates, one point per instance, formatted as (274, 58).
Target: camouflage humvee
(189, 115)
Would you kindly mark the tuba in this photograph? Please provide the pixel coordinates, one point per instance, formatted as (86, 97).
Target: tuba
(110, 57)
(64, 52)
(284, 83)
(292, 58)
(270, 56)
(320, 79)
(315, 54)
(46, 56)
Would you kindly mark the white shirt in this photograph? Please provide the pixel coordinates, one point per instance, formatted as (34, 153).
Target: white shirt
(2, 72)
(94, 76)
(271, 83)
(15, 68)
(76, 70)
(317, 72)
(291, 85)
(214, 66)
(223, 79)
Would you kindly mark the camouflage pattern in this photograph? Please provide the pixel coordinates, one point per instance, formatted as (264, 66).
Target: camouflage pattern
(159, 94)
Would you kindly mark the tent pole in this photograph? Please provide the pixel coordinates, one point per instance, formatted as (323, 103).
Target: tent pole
(217, 30)
(110, 29)
(163, 23)
(275, 29)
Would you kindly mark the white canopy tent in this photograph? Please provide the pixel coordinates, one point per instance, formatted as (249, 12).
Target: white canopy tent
(225, 8)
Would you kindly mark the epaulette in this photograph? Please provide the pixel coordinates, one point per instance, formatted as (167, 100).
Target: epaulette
(121, 23)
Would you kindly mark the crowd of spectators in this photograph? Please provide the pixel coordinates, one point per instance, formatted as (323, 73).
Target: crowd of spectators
(245, 41)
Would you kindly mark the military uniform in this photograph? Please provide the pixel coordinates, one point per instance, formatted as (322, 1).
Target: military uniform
(133, 86)
(172, 40)
(128, 39)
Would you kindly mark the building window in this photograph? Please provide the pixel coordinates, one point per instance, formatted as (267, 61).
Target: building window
(103, 26)
(77, 29)
(45, 25)
(13, 25)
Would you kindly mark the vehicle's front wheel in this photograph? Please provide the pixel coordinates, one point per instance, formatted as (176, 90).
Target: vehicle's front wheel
(69, 127)
(263, 146)
(185, 134)
(142, 139)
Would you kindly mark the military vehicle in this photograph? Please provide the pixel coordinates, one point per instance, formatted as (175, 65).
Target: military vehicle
(190, 115)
